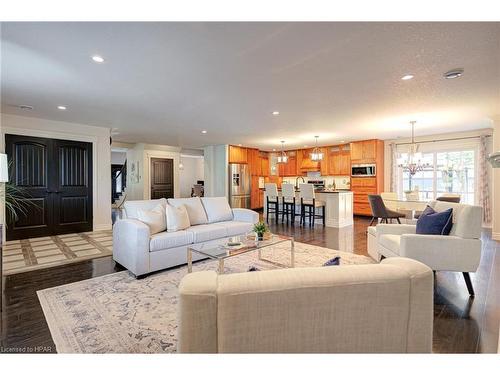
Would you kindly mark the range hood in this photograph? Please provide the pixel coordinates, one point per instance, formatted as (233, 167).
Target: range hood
(306, 164)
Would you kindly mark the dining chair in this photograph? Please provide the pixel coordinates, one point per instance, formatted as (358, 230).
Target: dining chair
(380, 211)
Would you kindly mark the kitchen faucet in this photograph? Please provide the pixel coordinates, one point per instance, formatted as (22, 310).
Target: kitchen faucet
(297, 182)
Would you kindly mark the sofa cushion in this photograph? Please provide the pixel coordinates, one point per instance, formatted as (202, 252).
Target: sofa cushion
(390, 242)
(168, 240)
(432, 222)
(131, 207)
(235, 228)
(177, 218)
(207, 232)
(155, 218)
(217, 209)
(194, 208)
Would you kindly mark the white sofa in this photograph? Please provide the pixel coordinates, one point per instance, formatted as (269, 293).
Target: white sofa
(142, 253)
(309, 310)
(459, 252)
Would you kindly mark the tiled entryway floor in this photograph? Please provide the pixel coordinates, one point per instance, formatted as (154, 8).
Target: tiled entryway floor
(42, 252)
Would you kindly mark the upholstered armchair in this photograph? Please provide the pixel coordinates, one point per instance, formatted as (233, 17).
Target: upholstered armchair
(459, 252)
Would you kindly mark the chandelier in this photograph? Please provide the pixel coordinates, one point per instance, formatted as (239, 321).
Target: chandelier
(282, 157)
(413, 162)
(316, 154)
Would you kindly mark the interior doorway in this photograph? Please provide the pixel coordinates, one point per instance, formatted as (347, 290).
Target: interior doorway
(162, 178)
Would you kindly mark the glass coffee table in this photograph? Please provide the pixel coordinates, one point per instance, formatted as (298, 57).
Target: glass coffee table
(239, 245)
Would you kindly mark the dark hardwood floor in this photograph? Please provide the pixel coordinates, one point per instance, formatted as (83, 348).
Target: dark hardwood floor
(461, 324)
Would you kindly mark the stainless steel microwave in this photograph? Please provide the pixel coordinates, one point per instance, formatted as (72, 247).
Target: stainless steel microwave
(363, 170)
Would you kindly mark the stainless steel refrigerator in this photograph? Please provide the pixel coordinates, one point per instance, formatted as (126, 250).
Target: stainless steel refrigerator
(239, 186)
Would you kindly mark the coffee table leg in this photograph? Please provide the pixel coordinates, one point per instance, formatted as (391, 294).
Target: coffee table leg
(221, 266)
(292, 253)
(190, 260)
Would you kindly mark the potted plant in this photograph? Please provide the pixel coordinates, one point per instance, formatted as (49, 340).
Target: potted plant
(259, 229)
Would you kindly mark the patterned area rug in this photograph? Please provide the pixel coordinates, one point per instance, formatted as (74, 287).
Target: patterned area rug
(118, 314)
(43, 252)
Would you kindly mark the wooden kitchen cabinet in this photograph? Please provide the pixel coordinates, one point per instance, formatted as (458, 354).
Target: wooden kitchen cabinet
(254, 162)
(367, 151)
(264, 163)
(339, 161)
(289, 169)
(238, 155)
(255, 193)
(323, 164)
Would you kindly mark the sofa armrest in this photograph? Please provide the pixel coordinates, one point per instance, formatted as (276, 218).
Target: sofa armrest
(442, 253)
(398, 229)
(244, 214)
(197, 331)
(131, 245)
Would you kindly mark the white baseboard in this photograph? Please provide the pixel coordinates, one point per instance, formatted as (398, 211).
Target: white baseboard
(495, 236)
(102, 227)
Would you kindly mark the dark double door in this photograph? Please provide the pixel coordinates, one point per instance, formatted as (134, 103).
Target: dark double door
(56, 178)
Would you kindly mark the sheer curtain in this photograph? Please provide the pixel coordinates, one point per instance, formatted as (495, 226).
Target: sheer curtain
(484, 178)
(394, 167)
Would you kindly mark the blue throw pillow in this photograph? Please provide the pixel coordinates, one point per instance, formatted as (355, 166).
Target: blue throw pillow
(332, 262)
(433, 222)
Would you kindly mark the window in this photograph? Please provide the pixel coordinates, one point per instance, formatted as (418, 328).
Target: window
(450, 172)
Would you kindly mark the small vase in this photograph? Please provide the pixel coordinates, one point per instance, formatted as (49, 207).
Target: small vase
(260, 236)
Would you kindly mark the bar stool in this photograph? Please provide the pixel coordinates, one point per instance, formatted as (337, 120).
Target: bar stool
(288, 202)
(308, 201)
(272, 200)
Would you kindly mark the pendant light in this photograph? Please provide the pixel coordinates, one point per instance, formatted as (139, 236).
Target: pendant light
(413, 162)
(316, 154)
(282, 157)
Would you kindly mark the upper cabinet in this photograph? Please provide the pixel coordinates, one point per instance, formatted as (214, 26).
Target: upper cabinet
(289, 168)
(339, 160)
(238, 155)
(264, 164)
(366, 151)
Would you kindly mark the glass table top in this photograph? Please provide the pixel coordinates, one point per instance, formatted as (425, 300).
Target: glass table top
(228, 247)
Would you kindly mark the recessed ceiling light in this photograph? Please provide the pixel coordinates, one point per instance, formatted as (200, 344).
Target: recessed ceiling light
(98, 59)
(274, 149)
(239, 144)
(25, 107)
(204, 132)
(61, 107)
(407, 77)
(455, 73)
(276, 113)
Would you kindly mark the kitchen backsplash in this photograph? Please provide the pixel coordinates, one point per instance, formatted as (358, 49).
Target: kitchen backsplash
(341, 182)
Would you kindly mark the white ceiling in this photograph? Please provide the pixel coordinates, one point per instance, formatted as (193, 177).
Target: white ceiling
(165, 82)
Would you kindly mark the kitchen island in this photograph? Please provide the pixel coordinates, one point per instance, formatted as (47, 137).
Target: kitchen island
(338, 207)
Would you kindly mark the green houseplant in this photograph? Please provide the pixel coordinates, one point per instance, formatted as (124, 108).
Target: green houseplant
(260, 228)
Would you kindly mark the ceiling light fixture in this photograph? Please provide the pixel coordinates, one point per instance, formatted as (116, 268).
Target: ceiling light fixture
(282, 157)
(407, 77)
(413, 162)
(454, 73)
(276, 113)
(203, 132)
(239, 144)
(316, 154)
(98, 59)
(61, 107)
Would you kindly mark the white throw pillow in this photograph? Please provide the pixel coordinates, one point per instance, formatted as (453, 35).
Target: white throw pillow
(177, 218)
(155, 218)
(194, 208)
(217, 209)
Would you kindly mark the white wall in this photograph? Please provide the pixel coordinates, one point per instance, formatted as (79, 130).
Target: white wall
(139, 183)
(192, 170)
(118, 157)
(98, 136)
(216, 170)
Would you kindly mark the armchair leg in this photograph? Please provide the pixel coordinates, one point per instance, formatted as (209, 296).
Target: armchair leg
(468, 282)
(371, 222)
(399, 221)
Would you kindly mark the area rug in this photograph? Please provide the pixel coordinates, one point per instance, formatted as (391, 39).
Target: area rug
(118, 314)
(43, 252)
